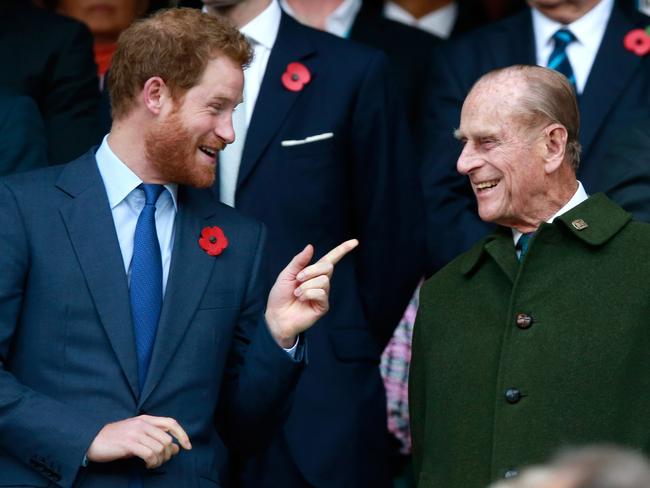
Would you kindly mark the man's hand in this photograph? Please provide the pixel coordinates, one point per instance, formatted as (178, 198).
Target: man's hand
(300, 295)
(149, 438)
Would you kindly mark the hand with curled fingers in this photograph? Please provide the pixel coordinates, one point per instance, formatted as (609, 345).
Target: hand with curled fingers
(300, 295)
(147, 437)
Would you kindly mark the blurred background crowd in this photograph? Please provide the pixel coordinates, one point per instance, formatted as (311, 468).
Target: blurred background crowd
(392, 117)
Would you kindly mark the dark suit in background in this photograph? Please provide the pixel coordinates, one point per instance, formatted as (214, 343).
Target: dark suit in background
(67, 348)
(22, 136)
(617, 93)
(406, 49)
(50, 58)
(348, 185)
(625, 175)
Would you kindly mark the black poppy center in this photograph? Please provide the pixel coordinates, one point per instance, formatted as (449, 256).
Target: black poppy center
(213, 240)
(295, 77)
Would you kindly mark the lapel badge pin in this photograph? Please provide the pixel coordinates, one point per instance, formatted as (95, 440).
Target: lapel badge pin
(213, 241)
(579, 224)
(638, 41)
(296, 77)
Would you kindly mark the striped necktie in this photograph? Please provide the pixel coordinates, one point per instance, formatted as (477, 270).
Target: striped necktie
(558, 60)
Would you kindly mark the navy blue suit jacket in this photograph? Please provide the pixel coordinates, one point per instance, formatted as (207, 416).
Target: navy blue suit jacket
(359, 183)
(23, 145)
(626, 170)
(67, 351)
(617, 93)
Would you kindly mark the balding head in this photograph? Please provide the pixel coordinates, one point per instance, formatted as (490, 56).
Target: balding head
(520, 129)
(537, 96)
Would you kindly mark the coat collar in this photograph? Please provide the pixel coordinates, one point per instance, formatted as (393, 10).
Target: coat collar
(603, 217)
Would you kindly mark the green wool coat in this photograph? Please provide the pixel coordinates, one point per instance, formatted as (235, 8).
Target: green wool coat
(512, 361)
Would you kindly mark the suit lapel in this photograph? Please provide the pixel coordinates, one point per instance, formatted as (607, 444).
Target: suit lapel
(189, 273)
(90, 226)
(609, 76)
(274, 101)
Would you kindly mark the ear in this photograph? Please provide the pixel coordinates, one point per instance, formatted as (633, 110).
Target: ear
(155, 94)
(554, 139)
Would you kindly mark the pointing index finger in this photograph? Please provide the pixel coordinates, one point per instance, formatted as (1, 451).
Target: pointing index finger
(336, 254)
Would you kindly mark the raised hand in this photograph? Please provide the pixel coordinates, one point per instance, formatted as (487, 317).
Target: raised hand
(147, 437)
(300, 295)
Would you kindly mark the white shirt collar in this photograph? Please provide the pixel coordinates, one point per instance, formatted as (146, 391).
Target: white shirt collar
(264, 28)
(440, 22)
(118, 178)
(340, 21)
(588, 29)
(578, 197)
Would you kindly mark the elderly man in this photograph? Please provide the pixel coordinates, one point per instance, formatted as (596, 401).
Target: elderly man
(538, 335)
(132, 319)
(583, 39)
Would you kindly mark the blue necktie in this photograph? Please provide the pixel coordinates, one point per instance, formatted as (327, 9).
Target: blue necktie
(146, 281)
(523, 243)
(558, 60)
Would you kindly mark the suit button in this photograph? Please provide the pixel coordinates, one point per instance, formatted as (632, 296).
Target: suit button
(511, 473)
(513, 395)
(524, 321)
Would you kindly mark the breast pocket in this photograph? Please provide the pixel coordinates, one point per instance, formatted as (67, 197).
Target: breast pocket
(310, 153)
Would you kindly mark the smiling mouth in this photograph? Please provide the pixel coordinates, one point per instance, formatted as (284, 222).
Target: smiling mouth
(486, 185)
(210, 151)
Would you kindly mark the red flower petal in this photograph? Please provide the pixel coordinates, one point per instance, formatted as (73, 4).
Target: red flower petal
(301, 70)
(637, 41)
(213, 241)
(296, 76)
(290, 83)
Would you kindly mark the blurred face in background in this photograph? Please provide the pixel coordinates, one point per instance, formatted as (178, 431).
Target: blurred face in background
(564, 11)
(106, 19)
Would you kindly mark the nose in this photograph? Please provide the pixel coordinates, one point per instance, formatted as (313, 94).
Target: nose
(224, 129)
(468, 160)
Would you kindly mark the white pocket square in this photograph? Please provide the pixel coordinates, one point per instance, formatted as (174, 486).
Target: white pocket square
(307, 140)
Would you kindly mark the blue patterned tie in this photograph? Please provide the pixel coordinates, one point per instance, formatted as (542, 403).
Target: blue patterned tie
(558, 60)
(146, 281)
(523, 243)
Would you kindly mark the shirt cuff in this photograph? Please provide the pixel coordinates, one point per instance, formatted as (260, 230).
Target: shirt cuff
(292, 352)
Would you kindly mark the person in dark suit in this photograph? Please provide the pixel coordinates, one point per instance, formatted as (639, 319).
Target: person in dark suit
(319, 143)
(612, 83)
(103, 380)
(537, 337)
(49, 58)
(22, 136)
(405, 47)
(625, 175)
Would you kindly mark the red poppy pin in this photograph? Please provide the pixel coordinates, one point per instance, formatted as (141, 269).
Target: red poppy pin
(638, 41)
(296, 77)
(213, 240)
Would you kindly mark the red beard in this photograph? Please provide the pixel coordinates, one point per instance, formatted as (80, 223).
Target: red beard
(171, 149)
